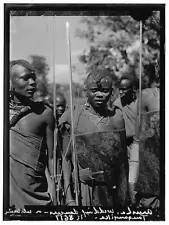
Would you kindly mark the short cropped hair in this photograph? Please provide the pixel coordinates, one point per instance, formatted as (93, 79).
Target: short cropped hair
(99, 74)
(134, 80)
(21, 62)
(58, 94)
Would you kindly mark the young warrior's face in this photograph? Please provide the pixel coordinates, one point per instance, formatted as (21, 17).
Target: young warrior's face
(125, 88)
(60, 105)
(23, 81)
(99, 93)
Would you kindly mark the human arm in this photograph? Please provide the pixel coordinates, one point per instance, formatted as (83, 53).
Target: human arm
(134, 148)
(118, 120)
(133, 152)
(50, 126)
(144, 100)
(133, 155)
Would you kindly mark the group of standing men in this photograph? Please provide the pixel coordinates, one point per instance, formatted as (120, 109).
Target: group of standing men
(105, 170)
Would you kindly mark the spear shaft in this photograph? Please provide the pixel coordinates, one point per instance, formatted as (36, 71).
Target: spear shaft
(54, 110)
(54, 80)
(140, 73)
(72, 120)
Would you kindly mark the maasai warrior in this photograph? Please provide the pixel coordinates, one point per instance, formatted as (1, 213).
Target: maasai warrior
(127, 102)
(60, 109)
(60, 104)
(115, 92)
(148, 185)
(31, 139)
(100, 140)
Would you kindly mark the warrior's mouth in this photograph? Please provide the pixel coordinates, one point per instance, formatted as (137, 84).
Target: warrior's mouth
(122, 95)
(99, 101)
(31, 90)
(60, 112)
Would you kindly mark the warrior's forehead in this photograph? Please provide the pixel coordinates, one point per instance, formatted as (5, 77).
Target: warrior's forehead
(19, 65)
(101, 79)
(126, 83)
(60, 99)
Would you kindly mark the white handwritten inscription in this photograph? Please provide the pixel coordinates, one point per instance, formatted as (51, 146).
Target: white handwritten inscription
(85, 213)
(18, 211)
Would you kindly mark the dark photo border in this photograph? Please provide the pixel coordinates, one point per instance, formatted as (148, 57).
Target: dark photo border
(136, 10)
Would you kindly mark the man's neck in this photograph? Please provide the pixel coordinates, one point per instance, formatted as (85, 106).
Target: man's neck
(22, 100)
(128, 100)
(99, 111)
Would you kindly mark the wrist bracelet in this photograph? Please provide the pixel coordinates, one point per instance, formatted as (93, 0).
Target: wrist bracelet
(135, 139)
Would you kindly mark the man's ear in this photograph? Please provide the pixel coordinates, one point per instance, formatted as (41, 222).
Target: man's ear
(112, 91)
(85, 90)
(135, 90)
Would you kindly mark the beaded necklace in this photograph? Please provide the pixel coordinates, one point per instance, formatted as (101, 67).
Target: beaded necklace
(17, 111)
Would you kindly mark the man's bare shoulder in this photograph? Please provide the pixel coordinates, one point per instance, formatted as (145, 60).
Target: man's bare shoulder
(147, 95)
(40, 108)
(147, 92)
(117, 119)
(48, 114)
(48, 110)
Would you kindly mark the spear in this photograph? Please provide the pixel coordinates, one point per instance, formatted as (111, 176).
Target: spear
(54, 113)
(139, 109)
(72, 120)
(140, 72)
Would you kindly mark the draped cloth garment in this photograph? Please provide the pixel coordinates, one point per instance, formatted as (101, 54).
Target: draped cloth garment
(103, 151)
(129, 115)
(28, 184)
(148, 184)
(99, 150)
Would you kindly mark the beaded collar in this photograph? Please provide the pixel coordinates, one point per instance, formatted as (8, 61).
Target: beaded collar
(19, 111)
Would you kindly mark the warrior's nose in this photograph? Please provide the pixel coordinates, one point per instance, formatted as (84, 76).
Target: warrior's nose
(99, 94)
(121, 91)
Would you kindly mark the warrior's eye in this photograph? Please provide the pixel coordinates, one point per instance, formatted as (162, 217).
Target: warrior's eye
(26, 77)
(93, 89)
(106, 90)
(33, 76)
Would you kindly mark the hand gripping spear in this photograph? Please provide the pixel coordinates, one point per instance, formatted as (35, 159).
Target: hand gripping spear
(72, 121)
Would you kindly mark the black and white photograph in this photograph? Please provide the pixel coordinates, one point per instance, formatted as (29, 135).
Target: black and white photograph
(84, 134)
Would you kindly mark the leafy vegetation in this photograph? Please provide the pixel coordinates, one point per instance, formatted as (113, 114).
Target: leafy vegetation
(114, 43)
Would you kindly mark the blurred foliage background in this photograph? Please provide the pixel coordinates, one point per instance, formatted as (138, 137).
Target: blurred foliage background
(113, 44)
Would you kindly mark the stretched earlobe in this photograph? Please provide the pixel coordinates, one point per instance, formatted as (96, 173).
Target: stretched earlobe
(11, 91)
(11, 94)
(85, 90)
(10, 85)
